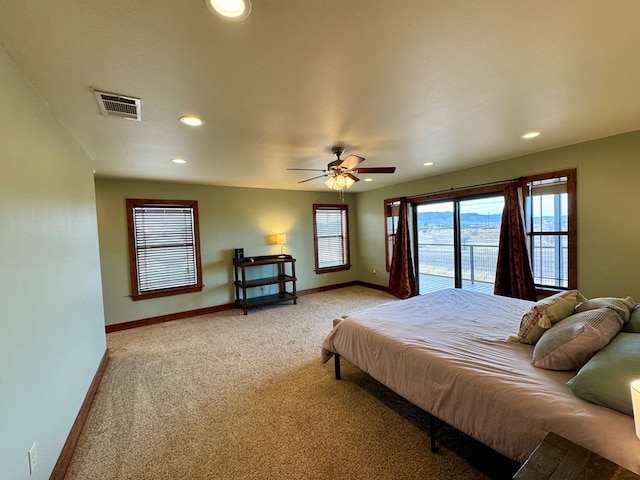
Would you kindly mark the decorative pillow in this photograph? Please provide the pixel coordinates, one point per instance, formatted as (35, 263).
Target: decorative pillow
(624, 306)
(571, 342)
(633, 325)
(545, 313)
(606, 377)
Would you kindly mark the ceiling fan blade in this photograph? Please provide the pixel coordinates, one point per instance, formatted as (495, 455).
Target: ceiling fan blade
(351, 162)
(312, 178)
(374, 170)
(308, 169)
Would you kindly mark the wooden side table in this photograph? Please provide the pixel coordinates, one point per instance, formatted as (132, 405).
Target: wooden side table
(556, 458)
(282, 279)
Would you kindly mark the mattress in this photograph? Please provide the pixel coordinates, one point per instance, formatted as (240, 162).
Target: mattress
(447, 353)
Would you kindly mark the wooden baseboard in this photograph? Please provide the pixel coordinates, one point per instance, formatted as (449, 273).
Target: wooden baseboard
(72, 439)
(382, 288)
(169, 317)
(342, 285)
(228, 306)
(326, 288)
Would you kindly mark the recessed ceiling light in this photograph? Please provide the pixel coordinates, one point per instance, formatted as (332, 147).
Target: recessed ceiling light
(428, 164)
(191, 120)
(178, 160)
(368, 179)
(531, 135)
(230, 9)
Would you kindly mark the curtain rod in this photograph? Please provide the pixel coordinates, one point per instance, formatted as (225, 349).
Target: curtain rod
(455, 189)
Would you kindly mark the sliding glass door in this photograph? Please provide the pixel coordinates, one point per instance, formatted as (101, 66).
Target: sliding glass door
(436, 259)
(480, 221)
(457, 243)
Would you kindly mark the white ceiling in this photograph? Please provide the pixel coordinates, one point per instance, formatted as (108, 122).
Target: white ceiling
(399, 82)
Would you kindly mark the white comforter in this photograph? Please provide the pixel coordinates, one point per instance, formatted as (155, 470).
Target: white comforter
(446, 352)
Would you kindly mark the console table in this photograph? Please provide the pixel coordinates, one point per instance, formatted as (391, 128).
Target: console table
(246, 281)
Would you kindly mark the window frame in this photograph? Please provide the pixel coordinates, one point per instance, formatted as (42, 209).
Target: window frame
(346, 265)
(453, 194)
(390, 228)
(572, 227)
(457, 197)
(447, 195)
(131, 204)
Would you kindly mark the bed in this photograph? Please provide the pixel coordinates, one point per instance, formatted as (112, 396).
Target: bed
(447, 353)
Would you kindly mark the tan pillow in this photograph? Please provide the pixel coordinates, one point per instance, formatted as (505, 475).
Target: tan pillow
(624, 306)
(545, 313)
(570, 343)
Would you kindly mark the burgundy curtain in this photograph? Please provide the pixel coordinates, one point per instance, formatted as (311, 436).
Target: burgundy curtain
(402, 278)
(513, 272)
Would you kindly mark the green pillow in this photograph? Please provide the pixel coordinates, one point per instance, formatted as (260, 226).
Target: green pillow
(633, 325)
(605, 378)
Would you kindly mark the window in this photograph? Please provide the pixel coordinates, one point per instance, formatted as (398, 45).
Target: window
(391, 209)
(456, 233)
(550, 209)
(457, 242)
(164, 248)
(455, 236)
(331, 237)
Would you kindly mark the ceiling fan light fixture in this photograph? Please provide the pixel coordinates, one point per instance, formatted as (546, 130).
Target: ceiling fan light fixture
(234, 10)
(338, 181)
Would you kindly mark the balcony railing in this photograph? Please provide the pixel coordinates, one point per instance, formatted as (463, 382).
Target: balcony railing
(479, 263)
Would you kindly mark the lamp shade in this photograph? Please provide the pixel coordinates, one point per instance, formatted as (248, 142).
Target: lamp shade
(340, 182)
(330, 182)
(281, 239)
(635, 400)
(349, 181)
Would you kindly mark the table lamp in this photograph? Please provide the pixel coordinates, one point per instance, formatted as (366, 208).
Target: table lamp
(635, 400)
(281, 239)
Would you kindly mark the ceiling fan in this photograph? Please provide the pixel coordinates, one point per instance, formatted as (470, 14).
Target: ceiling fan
(341, 173)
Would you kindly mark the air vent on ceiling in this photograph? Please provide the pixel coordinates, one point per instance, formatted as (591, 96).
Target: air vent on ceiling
(114, 105)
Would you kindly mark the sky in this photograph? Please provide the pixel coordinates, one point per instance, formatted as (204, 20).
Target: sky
(494, 205)
(483, 206)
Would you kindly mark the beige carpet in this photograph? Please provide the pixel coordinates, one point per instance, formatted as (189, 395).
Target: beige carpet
(228, 396)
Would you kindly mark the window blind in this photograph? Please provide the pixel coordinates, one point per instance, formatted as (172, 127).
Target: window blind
(165, 247)
(331, 237)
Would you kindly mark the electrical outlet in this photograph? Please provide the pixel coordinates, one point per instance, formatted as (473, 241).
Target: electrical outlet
(33, 458)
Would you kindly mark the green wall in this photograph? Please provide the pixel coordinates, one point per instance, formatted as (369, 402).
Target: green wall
(229, 218)
(608, 198)
(242, 217)
(52, 325)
